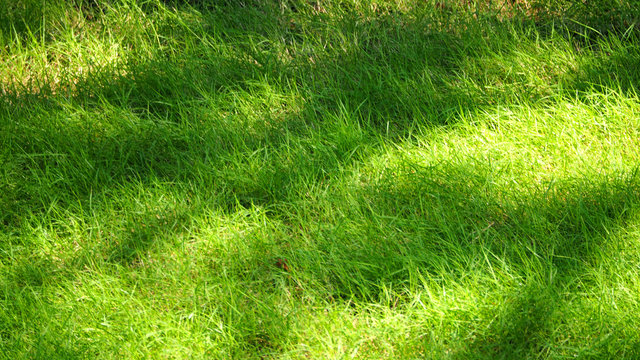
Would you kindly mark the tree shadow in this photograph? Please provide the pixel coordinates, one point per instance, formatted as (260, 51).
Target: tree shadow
(410, 81)
(151, 139)
(524, 328)
(445, 211)
(443, 223)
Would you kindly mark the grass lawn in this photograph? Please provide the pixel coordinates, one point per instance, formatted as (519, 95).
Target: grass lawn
(293, 179)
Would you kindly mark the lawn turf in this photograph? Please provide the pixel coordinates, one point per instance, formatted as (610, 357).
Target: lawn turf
(319, 179)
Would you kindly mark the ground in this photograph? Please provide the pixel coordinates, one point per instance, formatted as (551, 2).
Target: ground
(325, 180)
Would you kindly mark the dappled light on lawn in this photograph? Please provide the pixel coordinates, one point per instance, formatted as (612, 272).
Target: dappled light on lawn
(319, 179)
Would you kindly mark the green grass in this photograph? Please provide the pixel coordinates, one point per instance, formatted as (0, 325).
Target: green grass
(328, 180)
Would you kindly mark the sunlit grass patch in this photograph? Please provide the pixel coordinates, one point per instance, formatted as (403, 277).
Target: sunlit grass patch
(383, 179)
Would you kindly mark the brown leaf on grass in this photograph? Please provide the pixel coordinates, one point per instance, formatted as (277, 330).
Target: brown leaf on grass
(282, 264)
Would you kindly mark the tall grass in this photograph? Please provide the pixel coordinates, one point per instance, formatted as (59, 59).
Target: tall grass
(329, 179)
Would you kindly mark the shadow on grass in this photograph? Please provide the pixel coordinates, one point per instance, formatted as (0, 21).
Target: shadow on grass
(523, 329)
(174, 117)
(443, 224)
(446, 226)
(445, 211)
(396, 75)
(166, 121)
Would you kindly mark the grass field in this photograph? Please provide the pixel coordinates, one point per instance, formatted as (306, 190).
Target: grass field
(383, 179)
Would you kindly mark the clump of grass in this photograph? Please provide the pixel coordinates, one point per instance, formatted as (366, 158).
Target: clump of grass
(293, 179)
